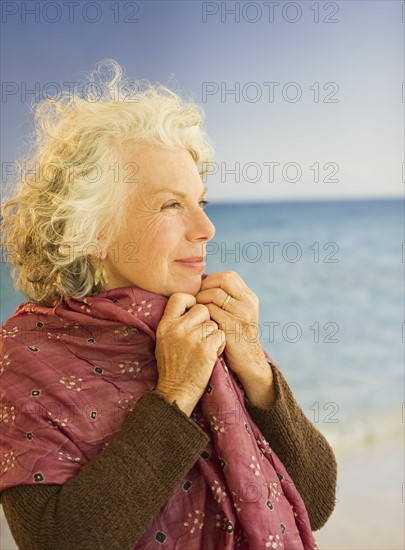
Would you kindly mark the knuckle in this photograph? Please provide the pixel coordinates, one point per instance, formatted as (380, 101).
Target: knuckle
(219, 293)
(201, 308)
(228, 275)
(175, 296)
(181, 297)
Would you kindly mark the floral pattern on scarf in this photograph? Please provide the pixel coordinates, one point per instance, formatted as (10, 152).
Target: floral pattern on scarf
(70, 375)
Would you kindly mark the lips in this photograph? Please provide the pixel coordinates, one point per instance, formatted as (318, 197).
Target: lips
(194, 262)
(193, 259)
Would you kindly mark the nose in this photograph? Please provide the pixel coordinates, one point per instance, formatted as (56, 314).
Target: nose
(200, 227)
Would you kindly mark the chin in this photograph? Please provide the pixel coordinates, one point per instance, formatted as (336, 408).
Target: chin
(190, 286)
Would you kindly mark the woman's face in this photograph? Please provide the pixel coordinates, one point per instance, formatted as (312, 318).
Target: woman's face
(166, 225)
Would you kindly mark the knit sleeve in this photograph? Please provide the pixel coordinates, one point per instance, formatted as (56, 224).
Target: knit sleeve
(113, 499)
(304, 451)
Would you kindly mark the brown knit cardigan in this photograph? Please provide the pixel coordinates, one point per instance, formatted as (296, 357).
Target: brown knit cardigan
(111, 502)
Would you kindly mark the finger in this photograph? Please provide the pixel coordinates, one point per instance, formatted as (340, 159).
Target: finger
(227, 323)
(195, 316)
(221, 349)
(177, 305)
(207, 328)
(229, 281)
(212, 296)
(219, 315)
(218, 338)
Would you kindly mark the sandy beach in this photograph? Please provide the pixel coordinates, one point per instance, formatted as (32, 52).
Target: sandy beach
(369, 512)
(6, 539)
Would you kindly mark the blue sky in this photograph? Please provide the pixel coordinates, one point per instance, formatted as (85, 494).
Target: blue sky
(350, 138)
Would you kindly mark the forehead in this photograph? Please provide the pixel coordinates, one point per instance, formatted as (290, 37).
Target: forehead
(161, 169)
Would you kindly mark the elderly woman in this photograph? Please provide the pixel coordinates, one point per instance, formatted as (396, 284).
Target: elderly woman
(135, 411)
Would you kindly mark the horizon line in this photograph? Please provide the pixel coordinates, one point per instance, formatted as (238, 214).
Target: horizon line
(214, 202)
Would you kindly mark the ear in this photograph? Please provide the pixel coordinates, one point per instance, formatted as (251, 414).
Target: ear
(96, 251)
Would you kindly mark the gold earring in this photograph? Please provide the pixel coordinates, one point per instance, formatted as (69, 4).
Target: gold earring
(101, 274)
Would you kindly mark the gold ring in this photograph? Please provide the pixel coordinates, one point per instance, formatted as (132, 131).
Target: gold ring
(226, 301)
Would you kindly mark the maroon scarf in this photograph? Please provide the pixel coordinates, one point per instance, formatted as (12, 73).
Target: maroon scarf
(70, 374)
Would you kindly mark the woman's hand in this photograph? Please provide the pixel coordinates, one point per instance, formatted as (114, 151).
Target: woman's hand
(239, 321)
(187, 346)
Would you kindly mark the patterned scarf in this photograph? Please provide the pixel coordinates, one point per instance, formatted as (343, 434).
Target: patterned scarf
(70, 375)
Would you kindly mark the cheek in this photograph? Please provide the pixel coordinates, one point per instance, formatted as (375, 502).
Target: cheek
(159, 238)
(143, 230)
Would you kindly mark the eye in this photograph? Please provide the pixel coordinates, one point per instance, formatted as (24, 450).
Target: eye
(203, 204)
(173, 205)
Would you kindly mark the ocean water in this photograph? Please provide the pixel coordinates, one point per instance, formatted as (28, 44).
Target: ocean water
(330, 279)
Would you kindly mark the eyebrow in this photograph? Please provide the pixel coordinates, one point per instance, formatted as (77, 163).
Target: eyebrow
(179, 193)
